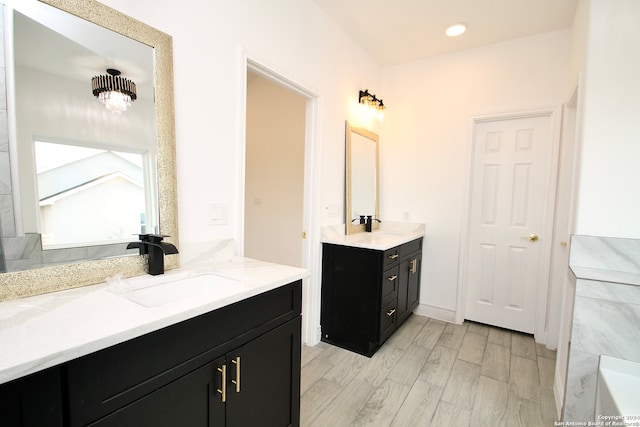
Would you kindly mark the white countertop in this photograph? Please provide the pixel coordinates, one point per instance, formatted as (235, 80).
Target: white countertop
(45, 330)
(389, 235)
(606, 259)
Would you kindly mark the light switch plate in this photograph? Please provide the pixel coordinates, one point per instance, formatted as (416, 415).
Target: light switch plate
(218, 213)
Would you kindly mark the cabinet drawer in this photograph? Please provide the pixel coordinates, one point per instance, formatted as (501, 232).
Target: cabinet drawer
(111, 378)
(387, 321)
(410, 247)
(389, 284)
(390, 257)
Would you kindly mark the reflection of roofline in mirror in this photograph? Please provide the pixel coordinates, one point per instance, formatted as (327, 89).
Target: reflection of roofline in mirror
(52, 155)
(86, 185)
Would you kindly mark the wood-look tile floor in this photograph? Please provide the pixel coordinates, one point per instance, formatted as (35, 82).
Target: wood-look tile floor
(432, 373)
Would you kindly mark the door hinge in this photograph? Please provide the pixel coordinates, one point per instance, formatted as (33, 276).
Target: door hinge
(304, 234)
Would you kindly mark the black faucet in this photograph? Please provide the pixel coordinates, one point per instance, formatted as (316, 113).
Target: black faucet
(155, 249)
(362, 219)
(369, 222)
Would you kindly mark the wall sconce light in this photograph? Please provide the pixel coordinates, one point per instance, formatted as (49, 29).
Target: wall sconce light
(115, 92)
(375, 105)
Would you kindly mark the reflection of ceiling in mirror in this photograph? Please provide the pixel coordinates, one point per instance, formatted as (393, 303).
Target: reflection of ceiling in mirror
(70, 47)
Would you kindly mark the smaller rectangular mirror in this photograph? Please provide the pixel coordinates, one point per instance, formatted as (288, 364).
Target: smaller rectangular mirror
(361, 178)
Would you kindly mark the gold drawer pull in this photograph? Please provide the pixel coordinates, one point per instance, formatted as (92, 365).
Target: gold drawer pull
(223, 391)
(392, 278)
(394, 256)
(414, 266)
(390, 313)
(236, 362)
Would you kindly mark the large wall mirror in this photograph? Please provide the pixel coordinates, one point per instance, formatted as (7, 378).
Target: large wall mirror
(80, 181)
(361, 178)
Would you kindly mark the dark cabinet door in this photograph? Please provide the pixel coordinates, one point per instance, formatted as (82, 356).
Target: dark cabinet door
(408, 286)
(192, 400)
(403, 288)
(263, 379)
(32, 401)
(413, 288)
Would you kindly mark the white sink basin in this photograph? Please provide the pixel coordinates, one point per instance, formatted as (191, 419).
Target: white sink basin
(618, 389)
(158, 294)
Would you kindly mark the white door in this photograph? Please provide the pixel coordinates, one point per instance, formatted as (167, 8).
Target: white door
(511, 172)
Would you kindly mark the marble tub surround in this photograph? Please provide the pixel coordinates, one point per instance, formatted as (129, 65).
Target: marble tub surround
(45, 330)
(606, 315)
(387, 236)
(608, 259)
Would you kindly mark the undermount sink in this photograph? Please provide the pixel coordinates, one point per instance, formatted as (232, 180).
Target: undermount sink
(617, 391)
(158, 294)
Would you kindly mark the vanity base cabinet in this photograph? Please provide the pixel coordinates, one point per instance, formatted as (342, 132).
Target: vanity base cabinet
(367, 293)
(197, 363)
(33, 401)
(238, 365)
(258, 389)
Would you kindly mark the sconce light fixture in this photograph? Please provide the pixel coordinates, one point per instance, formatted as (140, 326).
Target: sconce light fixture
(115, 92)
(375, 105)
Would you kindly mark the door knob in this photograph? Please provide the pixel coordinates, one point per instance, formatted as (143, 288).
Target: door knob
(532, 237)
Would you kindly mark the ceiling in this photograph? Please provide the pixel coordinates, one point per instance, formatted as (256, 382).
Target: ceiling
(400, 31)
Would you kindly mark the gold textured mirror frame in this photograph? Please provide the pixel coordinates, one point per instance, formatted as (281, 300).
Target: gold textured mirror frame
(360, 143)
(49, 279)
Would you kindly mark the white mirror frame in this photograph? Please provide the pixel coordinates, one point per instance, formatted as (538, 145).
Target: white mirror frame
(42, 280)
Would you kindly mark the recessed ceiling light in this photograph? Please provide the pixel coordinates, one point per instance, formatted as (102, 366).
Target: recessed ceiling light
(456, 29)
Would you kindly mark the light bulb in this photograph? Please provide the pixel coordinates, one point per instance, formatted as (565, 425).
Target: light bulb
(456, 29)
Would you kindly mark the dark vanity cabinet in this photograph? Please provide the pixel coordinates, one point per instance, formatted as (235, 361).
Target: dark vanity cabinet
(33, 401)
(238, 365)
(367, 293)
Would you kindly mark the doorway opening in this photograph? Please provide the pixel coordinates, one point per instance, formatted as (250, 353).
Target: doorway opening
(279, 177)
(274, 172)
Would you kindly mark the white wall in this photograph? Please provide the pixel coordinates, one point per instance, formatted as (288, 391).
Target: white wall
(608, 203)
(274, 174)
(425, 139)
(293, 37)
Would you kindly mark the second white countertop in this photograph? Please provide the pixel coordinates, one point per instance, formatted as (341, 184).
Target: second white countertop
(45, 330)
(389, 235)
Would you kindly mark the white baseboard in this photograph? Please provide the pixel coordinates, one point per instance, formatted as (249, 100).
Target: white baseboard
(558, 394)
(434, 312)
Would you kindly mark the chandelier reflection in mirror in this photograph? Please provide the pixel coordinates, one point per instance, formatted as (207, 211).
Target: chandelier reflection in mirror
(374, 105)
(115, 92)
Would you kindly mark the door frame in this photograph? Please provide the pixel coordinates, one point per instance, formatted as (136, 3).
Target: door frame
(548, 212)
(311, 254)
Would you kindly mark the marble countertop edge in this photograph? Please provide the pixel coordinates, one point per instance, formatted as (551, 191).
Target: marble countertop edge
(605, 259)
(45, 330)
(599, 275)
(389, 235)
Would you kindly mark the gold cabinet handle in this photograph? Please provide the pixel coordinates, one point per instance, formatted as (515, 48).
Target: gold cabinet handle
(414, 266)
(390, 312)
(392, 278)
(394, 256)
(223, 391)
(236, 362)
